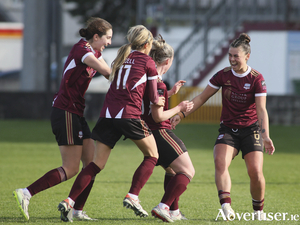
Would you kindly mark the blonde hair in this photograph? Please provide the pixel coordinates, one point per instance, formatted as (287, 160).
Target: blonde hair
(137, 37)
(161, 51)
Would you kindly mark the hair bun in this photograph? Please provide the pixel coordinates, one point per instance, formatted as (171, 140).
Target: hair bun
(244, 37)
(160, 38)
(83, 32)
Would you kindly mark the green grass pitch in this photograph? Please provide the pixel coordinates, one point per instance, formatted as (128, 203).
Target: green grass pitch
(28, 150)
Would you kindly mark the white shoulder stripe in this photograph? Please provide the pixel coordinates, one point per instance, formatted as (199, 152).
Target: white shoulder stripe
(141, 81)
(260, 94)
(153, 78)
(71, 65)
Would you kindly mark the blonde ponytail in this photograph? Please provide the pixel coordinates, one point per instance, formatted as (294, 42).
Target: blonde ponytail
(137, 37)
(123, 53)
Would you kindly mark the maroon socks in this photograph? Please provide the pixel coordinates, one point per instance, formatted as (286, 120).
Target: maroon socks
(224, 197)
(83, 180)
(168, 178)
(50, 179)
(258, 204)
(176, 186)
(142, 174)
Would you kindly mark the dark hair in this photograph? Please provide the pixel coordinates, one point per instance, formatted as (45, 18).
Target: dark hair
(95, 26)
(243, 41)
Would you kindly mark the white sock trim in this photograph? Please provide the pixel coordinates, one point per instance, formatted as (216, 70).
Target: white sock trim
(163, 206)
(133, 196)
(71, 202)
(26, 192)
(225, 204)
(175, 212)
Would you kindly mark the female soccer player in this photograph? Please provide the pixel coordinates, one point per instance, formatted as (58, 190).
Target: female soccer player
(173, 155)
(68, 124)
(132, 71)
(244, 124)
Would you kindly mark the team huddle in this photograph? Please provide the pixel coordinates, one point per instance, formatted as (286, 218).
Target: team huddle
(136, 107)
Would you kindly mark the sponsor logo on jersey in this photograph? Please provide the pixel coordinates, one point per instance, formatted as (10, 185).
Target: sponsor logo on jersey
(247, 86)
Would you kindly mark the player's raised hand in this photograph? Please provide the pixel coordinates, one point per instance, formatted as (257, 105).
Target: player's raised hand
(177, 86)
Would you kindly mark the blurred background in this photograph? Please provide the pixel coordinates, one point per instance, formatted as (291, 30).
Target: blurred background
(37, 35)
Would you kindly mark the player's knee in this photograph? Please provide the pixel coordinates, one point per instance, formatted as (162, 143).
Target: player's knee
(71, 172)
(255, 174)
(188, 172)
(188, 175)
(102, 167)
(192, 172)
(220, 164)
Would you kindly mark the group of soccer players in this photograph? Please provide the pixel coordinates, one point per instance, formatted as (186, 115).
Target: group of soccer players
(136, 106)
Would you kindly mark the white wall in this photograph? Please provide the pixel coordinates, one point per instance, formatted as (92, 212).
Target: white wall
(268, 56)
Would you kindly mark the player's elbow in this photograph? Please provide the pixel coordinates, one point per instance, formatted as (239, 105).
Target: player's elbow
(157, 119)
(106, 73)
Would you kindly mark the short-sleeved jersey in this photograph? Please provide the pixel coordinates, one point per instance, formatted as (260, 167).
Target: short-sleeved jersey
(146, 114)
(238, 95)
(76, 79)
(126, 92)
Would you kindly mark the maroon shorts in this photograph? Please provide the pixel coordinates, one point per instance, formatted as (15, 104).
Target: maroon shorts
(109, 131)
(69, 128)
(246, 139)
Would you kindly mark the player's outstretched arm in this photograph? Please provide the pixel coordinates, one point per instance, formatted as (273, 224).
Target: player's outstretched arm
(159, 115)
(198, 101)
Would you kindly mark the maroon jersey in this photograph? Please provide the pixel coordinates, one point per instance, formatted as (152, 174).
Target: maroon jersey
(146, 114)
(238, 95)
(125, 94)
(76, 79)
